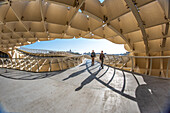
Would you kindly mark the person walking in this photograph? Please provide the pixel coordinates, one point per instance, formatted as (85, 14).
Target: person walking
(93, 55)
(102, 56)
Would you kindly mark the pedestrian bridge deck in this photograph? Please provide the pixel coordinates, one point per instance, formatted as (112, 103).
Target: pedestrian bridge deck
(83, 89)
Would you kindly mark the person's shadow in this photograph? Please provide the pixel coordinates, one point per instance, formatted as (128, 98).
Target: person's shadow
(93, 76)
(74, 74)
(89, 79)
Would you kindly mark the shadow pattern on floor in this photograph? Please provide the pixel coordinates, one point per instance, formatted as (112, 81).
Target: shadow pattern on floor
(152, 97)
(22, 75)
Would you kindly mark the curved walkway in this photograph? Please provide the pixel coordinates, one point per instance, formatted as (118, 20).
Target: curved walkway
(83, 89)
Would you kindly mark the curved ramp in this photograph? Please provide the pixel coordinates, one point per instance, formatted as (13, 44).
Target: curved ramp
(83, 89)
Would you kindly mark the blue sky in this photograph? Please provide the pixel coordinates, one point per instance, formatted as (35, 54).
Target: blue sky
(80, 45)
(101, 1)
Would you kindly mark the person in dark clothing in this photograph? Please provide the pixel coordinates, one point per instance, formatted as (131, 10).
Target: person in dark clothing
(101, 58)
(93, 55)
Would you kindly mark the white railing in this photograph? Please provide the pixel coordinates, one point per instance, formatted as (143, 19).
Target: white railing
(162, 61)
(130, 63)
(36, 64)
(122, 62)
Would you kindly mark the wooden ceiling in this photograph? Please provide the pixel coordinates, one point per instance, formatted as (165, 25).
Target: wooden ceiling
(141, 25)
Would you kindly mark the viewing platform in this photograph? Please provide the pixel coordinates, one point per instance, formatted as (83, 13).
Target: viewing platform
(83, 89)
(37, 80)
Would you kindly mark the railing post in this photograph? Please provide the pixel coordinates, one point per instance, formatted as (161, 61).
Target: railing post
(132, 69)
(6, 67)
(108, 59)
(31, 61)
(68, 63)
(25, 64)
(114, 60)
(50, 64)
(77, 61)
(15, 64)
(162, 68)
(147, 66)
(31, 66)
(37, 64)
(167, 68)
(62, 65)
(11, 64)
(150, 69)
(2, 63)
(59, 64)
(17, 61)
(20, 64)
(5, 63)
(73, 60)
(122, 62)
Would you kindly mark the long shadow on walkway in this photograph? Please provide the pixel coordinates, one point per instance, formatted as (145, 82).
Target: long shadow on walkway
(124, 81)
(152, 94)
(112, 76)
(84, 64)
(93, 76)
(89, 79)
(74, 74)
(79, 72)
(104, 73)
(21, 75)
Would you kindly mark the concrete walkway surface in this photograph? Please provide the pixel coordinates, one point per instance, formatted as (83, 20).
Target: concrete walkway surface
(83, 89)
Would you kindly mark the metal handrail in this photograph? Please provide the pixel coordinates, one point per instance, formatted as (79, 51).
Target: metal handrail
(110, 59)
(150, 62)
(117, 60)
(141, 56)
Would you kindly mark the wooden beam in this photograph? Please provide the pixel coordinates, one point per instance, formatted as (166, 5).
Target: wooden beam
(59, 3)
(43, 19)
(165, 33)
(165, 5)
(117, 32)
(122, 36)
(162, 74)
(21, 20)
(146, 27)
(130, 10)
(42, 15)
(76, 11)
(153, 39)
(135, 12)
